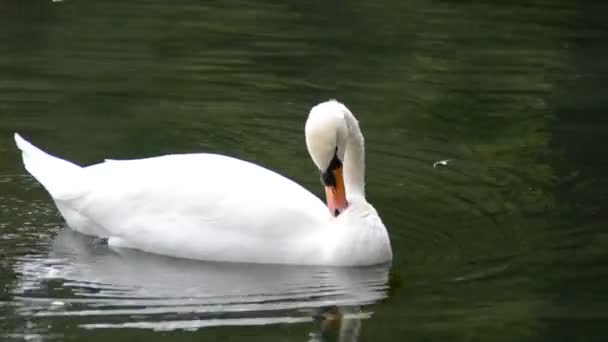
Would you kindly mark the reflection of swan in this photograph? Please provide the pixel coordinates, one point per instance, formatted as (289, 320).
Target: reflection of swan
(338, 324)
(127, 288)
(212, 207)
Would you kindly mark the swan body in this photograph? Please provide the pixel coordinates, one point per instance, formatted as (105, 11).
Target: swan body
(212, 207)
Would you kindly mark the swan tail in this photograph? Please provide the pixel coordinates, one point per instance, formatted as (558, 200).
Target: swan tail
(59, 177)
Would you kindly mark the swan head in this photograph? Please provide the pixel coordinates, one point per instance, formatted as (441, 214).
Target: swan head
(326, 133)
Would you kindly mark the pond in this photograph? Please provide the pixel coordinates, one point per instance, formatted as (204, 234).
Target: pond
(485, 133)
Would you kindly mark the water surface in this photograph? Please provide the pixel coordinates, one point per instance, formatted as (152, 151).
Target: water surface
(505, 242)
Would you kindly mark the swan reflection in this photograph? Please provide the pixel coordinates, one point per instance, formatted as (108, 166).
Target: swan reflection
(114, 288)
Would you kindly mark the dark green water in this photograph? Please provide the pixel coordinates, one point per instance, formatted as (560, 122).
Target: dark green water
(507, 242)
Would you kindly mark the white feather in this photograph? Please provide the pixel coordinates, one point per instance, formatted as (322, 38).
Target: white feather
(208, 207)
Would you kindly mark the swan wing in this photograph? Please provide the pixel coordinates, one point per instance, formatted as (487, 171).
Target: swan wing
(202, 206)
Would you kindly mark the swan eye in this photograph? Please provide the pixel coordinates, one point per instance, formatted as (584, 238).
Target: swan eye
(328, 179)
(335, 161)
(327, 176)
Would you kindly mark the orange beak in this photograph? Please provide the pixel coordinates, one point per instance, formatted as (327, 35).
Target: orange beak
(336, 195)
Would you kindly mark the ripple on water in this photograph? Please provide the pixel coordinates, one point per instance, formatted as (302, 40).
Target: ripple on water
(94, 286)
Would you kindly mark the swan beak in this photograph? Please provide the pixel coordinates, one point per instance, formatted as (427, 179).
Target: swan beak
(335, 193)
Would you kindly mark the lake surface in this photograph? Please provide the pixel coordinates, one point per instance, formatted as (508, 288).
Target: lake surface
(507, 242)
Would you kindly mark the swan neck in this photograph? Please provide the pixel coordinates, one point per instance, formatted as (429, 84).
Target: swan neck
(354, 159)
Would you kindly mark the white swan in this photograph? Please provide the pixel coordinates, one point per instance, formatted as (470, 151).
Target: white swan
(212, 207)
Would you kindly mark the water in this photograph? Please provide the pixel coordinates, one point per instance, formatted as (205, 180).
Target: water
(505, 242)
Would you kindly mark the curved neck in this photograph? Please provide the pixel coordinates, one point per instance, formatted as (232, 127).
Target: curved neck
(354, 159)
